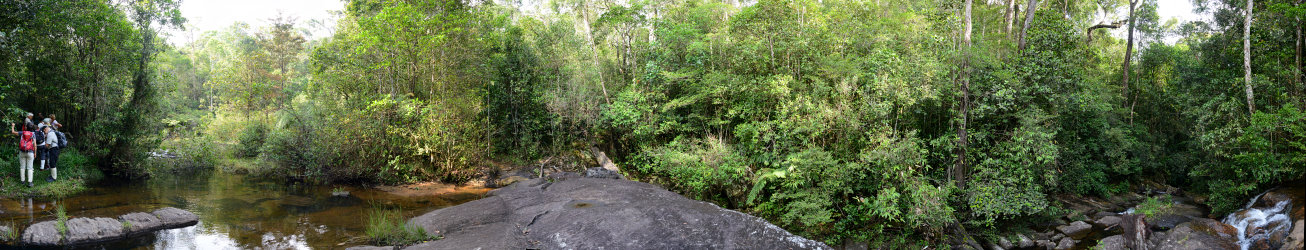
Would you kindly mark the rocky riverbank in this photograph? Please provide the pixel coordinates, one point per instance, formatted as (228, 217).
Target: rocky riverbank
(597, 210)
(1163, 218)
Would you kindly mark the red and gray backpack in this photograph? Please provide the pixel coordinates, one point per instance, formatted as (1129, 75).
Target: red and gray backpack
(26, 142)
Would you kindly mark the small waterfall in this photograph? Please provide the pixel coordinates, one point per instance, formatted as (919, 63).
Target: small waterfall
(1253, 200)
(1266, 222)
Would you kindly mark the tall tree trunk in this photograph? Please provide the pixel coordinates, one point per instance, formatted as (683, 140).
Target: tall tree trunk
(594, 55)
(1010, 16)
(1129, 54)
(1301, 83)
(121, 152)
(1029, 19)
(1247, 57)
(961, 169)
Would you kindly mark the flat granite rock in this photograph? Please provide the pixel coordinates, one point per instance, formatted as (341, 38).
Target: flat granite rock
(1076, 230)
(1200, 233)
(370, 248)
(88, 230)
(573, 212)
(1115, 242)
(141, 222)
(172, 217)
(42, 234)
(95, 230)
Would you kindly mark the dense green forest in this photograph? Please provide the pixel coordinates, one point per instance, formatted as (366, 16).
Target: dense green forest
(891, 121)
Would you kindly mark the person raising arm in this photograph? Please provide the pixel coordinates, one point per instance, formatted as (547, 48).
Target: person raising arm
(26, 154)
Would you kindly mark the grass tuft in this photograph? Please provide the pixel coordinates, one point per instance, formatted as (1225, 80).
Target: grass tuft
(61, 221)
(1155, 206)
(388, 227)
(11, 234)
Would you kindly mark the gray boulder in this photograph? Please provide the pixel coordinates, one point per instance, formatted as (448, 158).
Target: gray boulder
(1004, 243)
(90, 230)
(80, 231)
(140, 222)
(602, 173)
(95, 230)
(172, 217)
(1200, 233)
(5, 230)
(1025, 242)
(1076, 230)
(572, 212)
(1107, 221)
(1115, 242)
(42, 234)
(1176, 214)
(1066, 243)
(1295, 238)
(1045, 244)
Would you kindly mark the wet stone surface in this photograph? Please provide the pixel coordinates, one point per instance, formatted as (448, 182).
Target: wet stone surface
(569, 211)
(234, 212)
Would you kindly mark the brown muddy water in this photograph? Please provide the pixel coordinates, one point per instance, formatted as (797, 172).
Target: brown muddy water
(236, 212)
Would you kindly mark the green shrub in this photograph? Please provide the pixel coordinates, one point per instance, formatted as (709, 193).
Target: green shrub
(295, 150)
(1249, 157)
(1013, 181)
(251, 139)
(192, 153)
(705, 169)
(1155, 206)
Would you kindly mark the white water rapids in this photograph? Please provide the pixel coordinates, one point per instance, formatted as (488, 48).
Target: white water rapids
(1265, 222)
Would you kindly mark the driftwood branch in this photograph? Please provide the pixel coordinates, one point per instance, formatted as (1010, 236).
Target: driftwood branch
(1115, 25)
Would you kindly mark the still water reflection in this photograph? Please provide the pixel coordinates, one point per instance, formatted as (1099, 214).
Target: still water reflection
(237, 212)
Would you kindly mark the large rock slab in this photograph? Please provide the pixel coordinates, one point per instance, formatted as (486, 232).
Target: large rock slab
(1066, 243)
(1076, 230)
(1108, 224)
(42, 234)
(1115, 242)
(571, 212)
(80, 231)
(95, 230)
(140, 222)
(1295, 238)
(1176, 214)
(172, 217)
(1200, 233)
(89, 230)
(1024, 241)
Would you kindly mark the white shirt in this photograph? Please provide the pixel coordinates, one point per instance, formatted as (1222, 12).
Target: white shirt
(51, 140)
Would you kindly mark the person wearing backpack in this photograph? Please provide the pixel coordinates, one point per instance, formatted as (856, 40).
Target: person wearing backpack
(55, 123)
(26, 153)
(28, 124)
(51, 145)
(39, 135)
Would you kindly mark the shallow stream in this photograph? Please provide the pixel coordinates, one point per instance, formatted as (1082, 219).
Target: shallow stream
(237, 212)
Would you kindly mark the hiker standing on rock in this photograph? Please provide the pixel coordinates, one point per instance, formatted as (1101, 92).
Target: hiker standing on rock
(26, 153)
